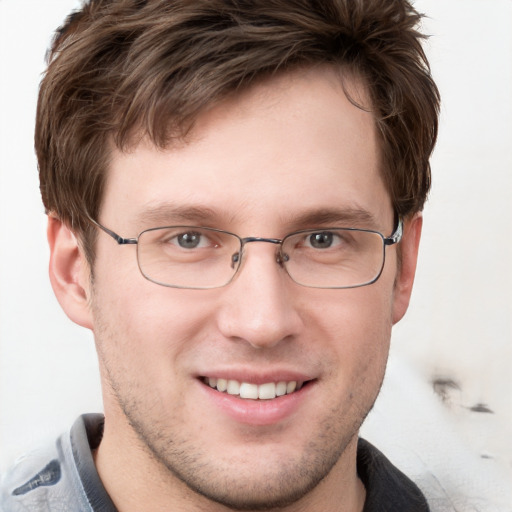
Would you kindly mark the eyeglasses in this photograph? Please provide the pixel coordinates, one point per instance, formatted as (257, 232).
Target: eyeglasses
(203, 258)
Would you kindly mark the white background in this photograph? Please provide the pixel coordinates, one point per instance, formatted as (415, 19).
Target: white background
(459, 325)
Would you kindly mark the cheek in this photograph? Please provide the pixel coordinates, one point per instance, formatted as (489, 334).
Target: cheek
(354, 328)
(145, 329)
(354, 316)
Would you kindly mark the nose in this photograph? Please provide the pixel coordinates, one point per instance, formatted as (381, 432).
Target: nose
(260, 305)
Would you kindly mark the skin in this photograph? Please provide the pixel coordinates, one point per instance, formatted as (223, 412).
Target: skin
(259, 162)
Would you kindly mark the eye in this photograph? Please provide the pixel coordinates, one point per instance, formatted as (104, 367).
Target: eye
(322, 240)
(190, 240)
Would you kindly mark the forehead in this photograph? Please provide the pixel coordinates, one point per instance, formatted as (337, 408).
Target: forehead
(291, 145)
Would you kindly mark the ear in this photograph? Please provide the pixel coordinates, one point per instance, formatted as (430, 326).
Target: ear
(407, 269)
(69, 272)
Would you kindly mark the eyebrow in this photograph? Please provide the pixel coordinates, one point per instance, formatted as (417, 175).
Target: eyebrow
(168, 213)
(344, 217)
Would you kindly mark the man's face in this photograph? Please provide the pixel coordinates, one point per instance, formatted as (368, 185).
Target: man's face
(292, 153)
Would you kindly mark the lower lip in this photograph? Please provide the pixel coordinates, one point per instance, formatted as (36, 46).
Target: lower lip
(258, 412)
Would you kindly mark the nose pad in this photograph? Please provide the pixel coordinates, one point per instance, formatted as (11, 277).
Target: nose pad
(235, 259)
(282, 258)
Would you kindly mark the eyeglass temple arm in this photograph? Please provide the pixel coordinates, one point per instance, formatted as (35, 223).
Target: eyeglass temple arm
(397, 235)
(119, 239)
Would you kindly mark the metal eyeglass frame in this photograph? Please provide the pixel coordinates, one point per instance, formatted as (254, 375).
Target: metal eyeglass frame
(393, 239)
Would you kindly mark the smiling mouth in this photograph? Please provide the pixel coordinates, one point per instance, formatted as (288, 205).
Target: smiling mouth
(246, 390)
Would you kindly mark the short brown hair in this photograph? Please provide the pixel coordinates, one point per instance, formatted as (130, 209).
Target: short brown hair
(121, 70)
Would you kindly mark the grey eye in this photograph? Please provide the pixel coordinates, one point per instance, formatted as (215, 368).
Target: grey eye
(190, 240)
(321, 240)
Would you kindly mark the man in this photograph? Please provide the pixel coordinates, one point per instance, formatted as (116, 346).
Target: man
(234, 191)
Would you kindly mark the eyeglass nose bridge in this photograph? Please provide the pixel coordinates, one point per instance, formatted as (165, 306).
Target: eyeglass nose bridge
(236, 258)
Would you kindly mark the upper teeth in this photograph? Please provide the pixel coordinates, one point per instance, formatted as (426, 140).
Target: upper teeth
(265, 391)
